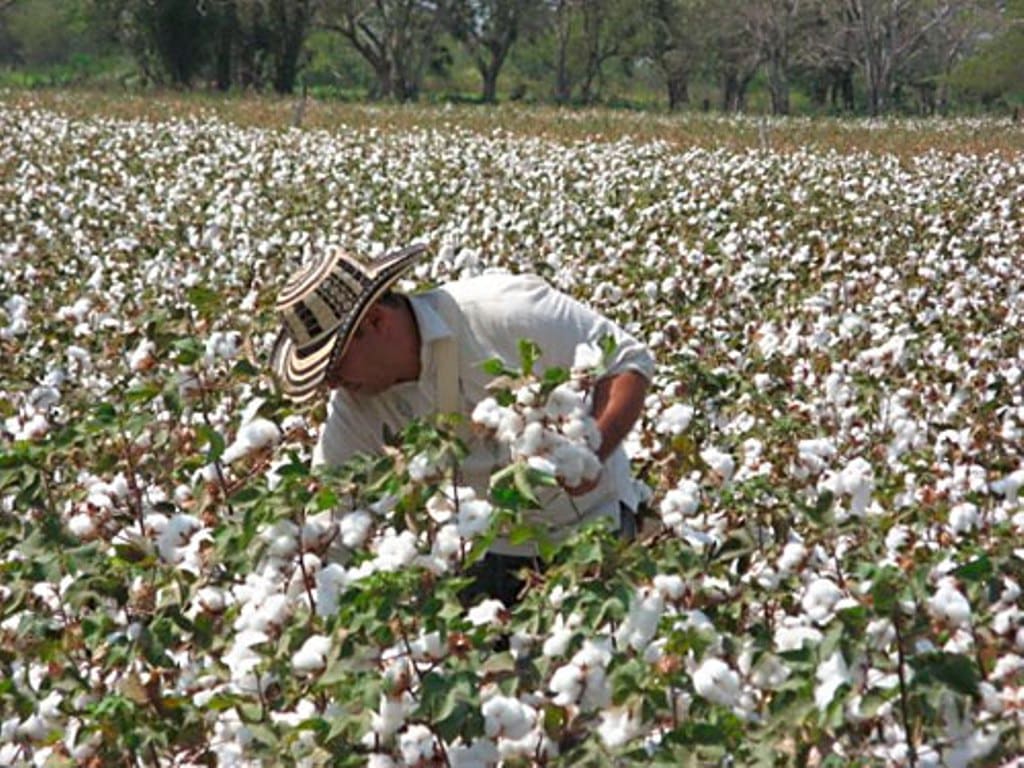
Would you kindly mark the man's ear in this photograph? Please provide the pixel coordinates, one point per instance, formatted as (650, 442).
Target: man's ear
(375, 316)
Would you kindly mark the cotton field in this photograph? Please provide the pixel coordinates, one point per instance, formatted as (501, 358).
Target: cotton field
(832, 454)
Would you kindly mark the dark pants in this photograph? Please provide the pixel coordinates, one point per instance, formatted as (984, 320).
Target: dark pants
(496, 576)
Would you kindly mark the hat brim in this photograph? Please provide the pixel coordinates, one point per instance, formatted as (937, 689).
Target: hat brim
(300, 372)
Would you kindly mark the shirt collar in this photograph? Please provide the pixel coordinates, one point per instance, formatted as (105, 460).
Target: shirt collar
(432, 328)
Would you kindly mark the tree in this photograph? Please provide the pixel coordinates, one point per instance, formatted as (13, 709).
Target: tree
(995, 68)
(675, 45)
(610, 28)
(396, 37)
(488, 29)
(773, 25)
(881, 37)
(732, 54)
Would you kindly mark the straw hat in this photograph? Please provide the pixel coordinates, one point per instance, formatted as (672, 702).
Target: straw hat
(320, 308)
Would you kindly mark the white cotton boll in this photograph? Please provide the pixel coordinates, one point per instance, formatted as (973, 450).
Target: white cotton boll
(283, 539)
(481, 753)
(641, 622)
(567, 684)
(558, 639)
(1010, 485)
(543, 464)
(564, 401)
(380, 760)
(857, 479)
(143, 357)
(44, 397)
(820, 600)
(674, 420)
(1006, 666)
(683, 500)
(527, 396)
(587, 357)
(428, 647)
(473, 518)
(416, 744)
(963, 517)
(488, 413)
(317, 530)
(421, 468)
(176, 534)
(82, 525)
(720, 463)
(447, 542)
(440, 508)
(793, 555)
(715, 681)
(396, 551)
(36, 728)
(252, 437)
(355, 527)
(510, 427)
(897, 537)
(949, 604)
(671, 586)
(531, 441)
(487, 612)
(212, 599)
(331, 580)
(583, 430)
(618, 727)
(880, 634)
(831, 674)
(508, 718)
(312, 656)
(815, 454)
(390, 716)
(35, 427)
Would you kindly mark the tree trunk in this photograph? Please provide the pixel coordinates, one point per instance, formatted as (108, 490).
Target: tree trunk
(778, 86)
(489, 94)
(678, 92)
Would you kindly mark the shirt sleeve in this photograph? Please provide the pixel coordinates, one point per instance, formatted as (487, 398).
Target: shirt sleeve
(347, 431)
(531, 309)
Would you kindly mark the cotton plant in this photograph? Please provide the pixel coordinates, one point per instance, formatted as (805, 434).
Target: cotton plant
(830, 444)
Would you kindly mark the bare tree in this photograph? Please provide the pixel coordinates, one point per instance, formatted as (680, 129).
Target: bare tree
(609, 31)
(773, 25)
(881, 37)
(676, 44)
(395, 37)
(488, 29)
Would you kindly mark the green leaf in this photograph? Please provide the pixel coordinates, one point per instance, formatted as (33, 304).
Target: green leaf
(976, 570)
(496, 367)
(954, 670)
(529, 353)
(206, 300)
(188, 351)
(143, 393)
(214, 439)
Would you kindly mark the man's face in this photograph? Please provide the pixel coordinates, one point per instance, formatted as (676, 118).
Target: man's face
(371, 363)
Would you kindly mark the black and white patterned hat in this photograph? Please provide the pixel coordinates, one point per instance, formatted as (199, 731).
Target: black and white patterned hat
(320, 308)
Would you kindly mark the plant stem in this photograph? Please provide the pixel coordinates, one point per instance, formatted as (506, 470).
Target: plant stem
(904, 704)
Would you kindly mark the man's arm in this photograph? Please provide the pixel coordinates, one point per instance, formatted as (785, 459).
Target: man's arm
(618, 403)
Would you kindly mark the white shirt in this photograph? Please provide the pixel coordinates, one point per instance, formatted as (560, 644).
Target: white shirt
(490, 315)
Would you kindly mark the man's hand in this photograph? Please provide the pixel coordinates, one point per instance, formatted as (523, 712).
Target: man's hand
(585, 487)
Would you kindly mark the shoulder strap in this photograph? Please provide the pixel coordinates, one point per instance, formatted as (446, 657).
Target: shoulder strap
(447, 352)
